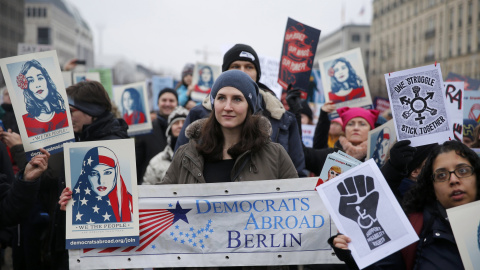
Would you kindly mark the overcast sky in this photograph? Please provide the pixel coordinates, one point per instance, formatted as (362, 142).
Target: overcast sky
(164, 35)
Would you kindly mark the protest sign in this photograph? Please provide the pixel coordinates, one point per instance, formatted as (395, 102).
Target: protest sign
(418, 105)
(307, 134)
(336, 164)
(470, 84)
(39, 100)
(67, 78)
(379, 142)
(158, 84)
(274, 222)
(364, 208)
(24, 48)
(269, 67)
(85, 76)
(203, 77)
(103, 211)
(298, 51)
(465, 222)
(381, 104)
(105, 78)
(344, 79)
(471, 113)
(454, 102)
(131, 100)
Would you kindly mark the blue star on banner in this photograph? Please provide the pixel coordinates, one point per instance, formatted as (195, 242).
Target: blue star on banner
(179, 213)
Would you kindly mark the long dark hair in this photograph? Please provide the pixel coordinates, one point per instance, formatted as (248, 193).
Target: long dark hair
(208, 84)
(137, 103)
(35, 106)
(423, 193)
(253, 137)
(353, 80)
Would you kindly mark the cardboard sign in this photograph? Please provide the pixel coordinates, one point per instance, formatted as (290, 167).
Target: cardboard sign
(39, 100)
(274, 222)
(418, 105)
(103, 211)
(380, 140)
(454, 102)
(470, 83)
(132, 103)
(298, 52)
(364, 208)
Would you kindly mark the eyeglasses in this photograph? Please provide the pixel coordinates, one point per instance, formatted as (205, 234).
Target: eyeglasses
(443, 175)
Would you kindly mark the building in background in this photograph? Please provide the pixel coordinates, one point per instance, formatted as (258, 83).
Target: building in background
(12, 28)
(58, 23)
(408, 33)
(346, 38)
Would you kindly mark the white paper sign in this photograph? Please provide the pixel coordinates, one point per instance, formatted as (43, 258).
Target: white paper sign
(308, 131)
(132, 103)
(418, 105)
(270, 67)
(85, 76)
(364, 208)
(274, 222)
(454, 102)
(465, 222)
(24, 48)
(103, 211)
(39, 100)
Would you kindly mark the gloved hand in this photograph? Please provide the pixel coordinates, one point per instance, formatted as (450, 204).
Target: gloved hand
(401, 154)
(294, 101)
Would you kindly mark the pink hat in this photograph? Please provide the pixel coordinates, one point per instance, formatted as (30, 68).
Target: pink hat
(347, 113)
(338, 120)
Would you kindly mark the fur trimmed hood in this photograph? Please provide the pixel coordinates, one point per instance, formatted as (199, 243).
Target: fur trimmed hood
(193, 131)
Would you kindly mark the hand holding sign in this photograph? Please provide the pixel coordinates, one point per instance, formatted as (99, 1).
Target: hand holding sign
(359, 202)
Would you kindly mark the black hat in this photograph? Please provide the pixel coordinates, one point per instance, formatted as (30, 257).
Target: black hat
(241, 52)
(306, 110)
(167, 90)
(420, 155)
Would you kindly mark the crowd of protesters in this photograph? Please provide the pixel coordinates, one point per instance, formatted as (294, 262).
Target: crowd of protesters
(240, 132)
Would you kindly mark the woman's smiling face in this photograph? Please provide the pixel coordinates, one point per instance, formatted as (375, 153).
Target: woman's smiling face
(103, 179)
(37, 83)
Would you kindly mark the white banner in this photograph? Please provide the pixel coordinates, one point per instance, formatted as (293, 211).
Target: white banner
(275, 222)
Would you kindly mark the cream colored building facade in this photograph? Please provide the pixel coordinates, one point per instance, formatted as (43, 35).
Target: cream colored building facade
(412, 33)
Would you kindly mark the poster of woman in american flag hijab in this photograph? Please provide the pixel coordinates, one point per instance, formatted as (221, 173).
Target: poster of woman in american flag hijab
(103, 211)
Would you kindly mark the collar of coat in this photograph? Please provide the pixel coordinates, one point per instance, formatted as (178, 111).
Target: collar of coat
(270, 102)
(193, 131)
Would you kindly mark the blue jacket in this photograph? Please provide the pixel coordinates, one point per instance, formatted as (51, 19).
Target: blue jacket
(284, 127)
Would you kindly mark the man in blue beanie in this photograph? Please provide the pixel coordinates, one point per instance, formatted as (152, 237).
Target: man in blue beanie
(284, 125)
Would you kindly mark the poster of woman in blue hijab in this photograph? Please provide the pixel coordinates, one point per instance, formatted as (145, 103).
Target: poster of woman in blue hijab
(103, 193)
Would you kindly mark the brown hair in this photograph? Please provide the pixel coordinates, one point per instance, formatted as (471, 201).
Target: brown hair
(90, 92)
(253, 137)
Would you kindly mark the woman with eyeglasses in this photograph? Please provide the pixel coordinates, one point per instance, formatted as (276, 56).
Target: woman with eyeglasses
(448, 179)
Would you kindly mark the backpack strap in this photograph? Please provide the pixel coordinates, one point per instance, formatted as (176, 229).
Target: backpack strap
(409, 252)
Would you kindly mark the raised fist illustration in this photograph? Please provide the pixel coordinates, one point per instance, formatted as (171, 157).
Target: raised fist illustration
(359, 202)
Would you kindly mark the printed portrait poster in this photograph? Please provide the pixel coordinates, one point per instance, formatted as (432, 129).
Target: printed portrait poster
(454, 102)
(203, 77)
(131, 100)
(85, 76)
(336, 164)
(344, 79)
(298, 51)
(471, 113)
(470, 83)
(465, 222)
(251, 223)
(418, 105)
(106, 79)
(364, 208)
(158, 84)
(380, 140)
(103, 211)
(39, 101)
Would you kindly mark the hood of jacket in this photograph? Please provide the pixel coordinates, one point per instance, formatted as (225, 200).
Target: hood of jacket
(193, 131)
(105, 127)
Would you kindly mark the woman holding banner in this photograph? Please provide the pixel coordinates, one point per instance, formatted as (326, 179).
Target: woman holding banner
(233, 144)
(448, 179)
